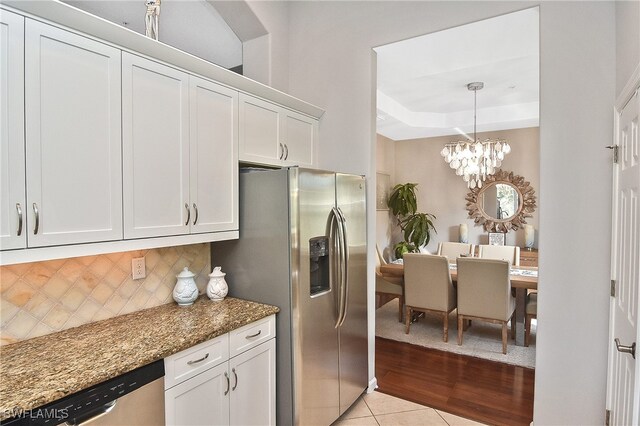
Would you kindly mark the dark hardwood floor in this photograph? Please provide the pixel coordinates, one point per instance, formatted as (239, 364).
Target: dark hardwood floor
(486, 391)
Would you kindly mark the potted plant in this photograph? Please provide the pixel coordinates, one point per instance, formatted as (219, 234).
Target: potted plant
(416, 227)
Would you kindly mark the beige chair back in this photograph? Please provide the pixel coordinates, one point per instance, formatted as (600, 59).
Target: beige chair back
(455, 250)
(392, 285)
(427, 282)
(484, 288)
(510, 253)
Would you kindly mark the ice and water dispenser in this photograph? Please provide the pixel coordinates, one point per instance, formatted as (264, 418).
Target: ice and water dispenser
(319, 265)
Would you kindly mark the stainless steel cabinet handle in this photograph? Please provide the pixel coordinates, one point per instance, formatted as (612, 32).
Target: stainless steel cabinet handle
(235, 385)
(186, 206)
(195, 361)
(226, 376)
(626, 349)
(253, 335)
(286, 147)
(281, 151)
(19, 209)
(195, 208)
(37, 213)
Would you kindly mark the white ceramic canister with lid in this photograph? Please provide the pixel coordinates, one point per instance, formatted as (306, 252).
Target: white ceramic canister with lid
(185, 292)
(217, 288)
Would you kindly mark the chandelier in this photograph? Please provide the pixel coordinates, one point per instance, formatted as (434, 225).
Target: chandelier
(475, 160)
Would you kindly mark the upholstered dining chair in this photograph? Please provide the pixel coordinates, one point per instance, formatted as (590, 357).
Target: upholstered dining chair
(510, 253)
(428, 288)
(455, 250)
(484, 293)
(389, 286)
(531, 310)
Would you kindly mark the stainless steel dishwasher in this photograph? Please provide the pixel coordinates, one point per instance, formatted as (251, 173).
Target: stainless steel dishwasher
(134, 398)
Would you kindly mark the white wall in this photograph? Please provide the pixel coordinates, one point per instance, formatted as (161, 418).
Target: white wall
(385, 163)
(193, 26)
(627, 41)
(442, 193)
(331, 65)
(272, 69)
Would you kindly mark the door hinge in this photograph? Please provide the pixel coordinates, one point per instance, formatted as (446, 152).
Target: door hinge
(607, 417)
(613, 288)
(615, 152)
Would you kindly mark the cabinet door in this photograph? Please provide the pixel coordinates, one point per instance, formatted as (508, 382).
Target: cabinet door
(260, 131)
(253, 386)
(155, 120)
(73, 142)
(201, 400)
(214, 156)
(299, 135)
(13, 228)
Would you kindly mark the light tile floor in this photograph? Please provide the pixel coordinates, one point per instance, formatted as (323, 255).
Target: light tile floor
(379, 409)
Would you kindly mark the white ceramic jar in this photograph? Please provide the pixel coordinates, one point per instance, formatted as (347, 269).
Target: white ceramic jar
(217, 288)
(185, 292)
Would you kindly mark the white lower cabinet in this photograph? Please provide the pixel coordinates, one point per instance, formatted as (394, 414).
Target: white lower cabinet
(253, 390)
(203, 386)
(201, 400)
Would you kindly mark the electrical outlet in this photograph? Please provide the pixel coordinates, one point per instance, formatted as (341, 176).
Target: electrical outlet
(138, 269)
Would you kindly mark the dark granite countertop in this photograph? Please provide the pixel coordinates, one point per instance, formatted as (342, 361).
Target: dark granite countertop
(38, 371)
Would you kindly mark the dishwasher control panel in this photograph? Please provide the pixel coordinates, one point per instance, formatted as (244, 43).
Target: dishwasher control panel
(82, 406)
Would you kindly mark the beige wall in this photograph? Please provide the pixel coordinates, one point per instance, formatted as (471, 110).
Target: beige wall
(442, 193)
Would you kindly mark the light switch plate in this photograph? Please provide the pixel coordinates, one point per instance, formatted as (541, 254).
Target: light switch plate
(138, 269)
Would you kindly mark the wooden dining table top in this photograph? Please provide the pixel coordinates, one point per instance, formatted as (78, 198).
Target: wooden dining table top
(517, 281)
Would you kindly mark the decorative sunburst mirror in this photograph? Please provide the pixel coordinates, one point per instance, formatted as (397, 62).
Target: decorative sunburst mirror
(503, 203)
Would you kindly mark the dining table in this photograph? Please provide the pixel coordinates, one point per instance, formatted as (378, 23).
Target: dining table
(523, 279)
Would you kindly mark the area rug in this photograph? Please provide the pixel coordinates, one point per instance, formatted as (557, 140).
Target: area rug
(481, 340)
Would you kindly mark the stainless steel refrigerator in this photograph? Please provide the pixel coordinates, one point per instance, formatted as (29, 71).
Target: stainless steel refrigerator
(302, 247)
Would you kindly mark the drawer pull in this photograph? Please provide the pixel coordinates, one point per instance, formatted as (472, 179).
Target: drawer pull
(198, 360)
(251, 336)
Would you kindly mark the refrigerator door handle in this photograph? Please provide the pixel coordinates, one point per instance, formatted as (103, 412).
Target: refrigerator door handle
(341, 265)
(336, 276)
(345, 261)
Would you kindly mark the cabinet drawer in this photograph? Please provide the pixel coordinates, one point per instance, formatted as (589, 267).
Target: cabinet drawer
(190, 362)
(251, 335)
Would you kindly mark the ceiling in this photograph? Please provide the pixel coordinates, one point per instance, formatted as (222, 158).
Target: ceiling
(193, 26)
(422, 82)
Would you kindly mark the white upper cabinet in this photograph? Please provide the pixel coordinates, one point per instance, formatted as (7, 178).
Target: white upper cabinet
(110, 141)
(214, 156)
(299, 135)
(73, 142)
(273, 135)
(155, 140)
(13, 228)
(180, 148)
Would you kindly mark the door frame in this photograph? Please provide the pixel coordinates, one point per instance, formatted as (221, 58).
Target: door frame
(621, 102)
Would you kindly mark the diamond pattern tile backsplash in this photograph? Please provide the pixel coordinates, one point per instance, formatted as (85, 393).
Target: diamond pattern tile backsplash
(44, 297)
